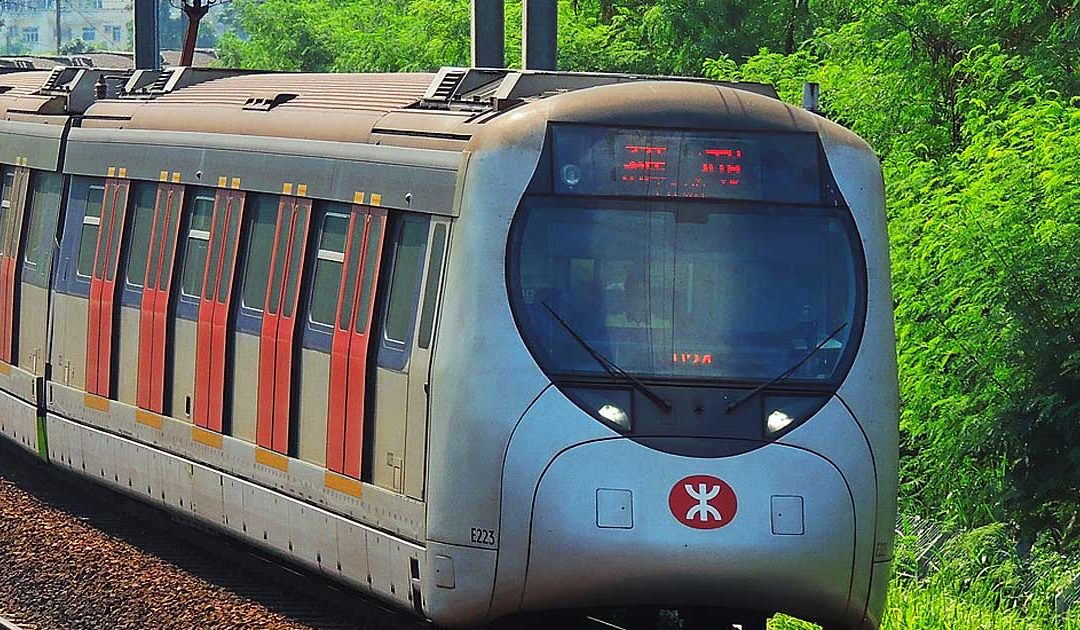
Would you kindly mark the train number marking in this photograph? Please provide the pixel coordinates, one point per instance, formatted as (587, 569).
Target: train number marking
(482, 536)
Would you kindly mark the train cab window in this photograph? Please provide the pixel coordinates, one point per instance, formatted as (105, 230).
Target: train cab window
(263, 210)
(405, 278)
(197, 243)
(44, 213)
(145, 195)
(330, 258)
(89, 234)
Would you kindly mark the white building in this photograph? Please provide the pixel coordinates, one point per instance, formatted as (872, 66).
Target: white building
(29, 26)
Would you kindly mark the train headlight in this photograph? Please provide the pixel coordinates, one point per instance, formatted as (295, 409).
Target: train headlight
(783, 413)
(611, 406)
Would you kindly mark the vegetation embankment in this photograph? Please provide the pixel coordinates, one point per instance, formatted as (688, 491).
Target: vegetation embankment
(972, 107)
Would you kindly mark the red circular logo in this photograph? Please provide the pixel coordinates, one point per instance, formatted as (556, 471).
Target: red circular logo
(703, 502)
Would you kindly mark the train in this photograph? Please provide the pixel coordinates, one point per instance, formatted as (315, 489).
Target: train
(480, 343)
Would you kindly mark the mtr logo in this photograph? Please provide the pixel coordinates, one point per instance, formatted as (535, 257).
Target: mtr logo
(703, 502)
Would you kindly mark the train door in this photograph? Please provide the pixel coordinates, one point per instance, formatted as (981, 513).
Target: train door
(101, 317)
(278, 335)
(153, 252)
(258, 235)
(12, 211)
(194, 245)
(134, 254)
(45, 193)
(212, 332)
(399, 443)
(351, 345)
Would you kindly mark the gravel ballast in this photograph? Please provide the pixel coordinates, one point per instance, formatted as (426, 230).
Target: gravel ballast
(58, 572)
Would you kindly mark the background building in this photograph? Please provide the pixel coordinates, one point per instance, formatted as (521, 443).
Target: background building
(29, 26)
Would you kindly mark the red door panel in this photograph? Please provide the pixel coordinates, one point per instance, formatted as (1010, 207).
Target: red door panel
(155, 297)
(222, 298)
(359, 342)
(287, 324)
(339, 346)
(11, 232)
(349, 349)
(279, 323)
(264, 434)
(212, 337)
(103, 288)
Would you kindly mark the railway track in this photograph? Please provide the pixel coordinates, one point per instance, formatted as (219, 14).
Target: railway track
(304, 599)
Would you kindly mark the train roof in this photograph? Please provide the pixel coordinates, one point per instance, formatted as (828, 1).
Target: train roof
(409, 109)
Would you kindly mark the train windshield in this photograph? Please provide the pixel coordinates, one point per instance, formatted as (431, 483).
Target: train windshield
(684, 289)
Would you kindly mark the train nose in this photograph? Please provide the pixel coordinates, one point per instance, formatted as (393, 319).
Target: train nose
(616, 523)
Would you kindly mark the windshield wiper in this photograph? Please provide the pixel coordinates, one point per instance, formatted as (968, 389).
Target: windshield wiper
(609, 366)
(786, 373)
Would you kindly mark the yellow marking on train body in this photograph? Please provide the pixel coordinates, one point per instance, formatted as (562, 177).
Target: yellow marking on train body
(344, 485)
(97, 403)
(163, 176)
(123, 172)
(223, 182)
(5, 368)
(358, 198)
(301, 190)
(271, 459)
(206, 438)
(286, 188)
(176, 177)
(376, 199)
(150, 419)
(112, 171)
(236, 182)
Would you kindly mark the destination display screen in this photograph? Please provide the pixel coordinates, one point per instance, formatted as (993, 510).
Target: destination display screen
(777, 167)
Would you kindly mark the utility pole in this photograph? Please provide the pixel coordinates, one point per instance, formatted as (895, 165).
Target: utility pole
(488, 34)
(147, 46)
(195, 10)
(540, 34)
(59, 33)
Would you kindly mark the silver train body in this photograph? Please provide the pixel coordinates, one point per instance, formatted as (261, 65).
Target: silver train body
(527, 496)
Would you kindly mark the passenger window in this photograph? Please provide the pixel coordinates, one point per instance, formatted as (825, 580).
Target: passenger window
(279, 259)
(145, 201)
(44, 209)
(95, 197)
(405, 278)
(198, 240)
(431, 287)
(328, 263)
(367, 284)
(260, 243)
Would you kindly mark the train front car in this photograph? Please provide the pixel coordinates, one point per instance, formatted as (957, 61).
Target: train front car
(666, 373)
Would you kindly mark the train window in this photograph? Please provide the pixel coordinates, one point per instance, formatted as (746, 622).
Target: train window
(44, 210)
(231, 234)
(5, 200)
(367, 284)
(350, 271)
(263, 209)
(328, 264)
(279, 260)
(431, 288)
(405, 278)
(198, 241)
(296, 262)
(145, 200)
(95, 197)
